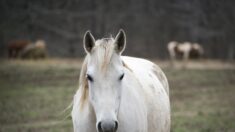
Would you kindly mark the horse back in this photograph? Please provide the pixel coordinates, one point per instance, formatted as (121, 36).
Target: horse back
(18, 44)
(145, 69)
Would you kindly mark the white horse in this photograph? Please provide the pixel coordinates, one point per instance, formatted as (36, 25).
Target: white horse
(186, 50)
(117, 93)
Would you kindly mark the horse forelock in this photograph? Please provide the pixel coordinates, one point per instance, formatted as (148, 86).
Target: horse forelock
(103, 52)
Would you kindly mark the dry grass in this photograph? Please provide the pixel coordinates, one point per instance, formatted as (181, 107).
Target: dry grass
(34, 93)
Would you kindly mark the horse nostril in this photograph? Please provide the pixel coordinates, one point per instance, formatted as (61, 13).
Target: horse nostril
(99, 127)
(116, 126)
(107, 126)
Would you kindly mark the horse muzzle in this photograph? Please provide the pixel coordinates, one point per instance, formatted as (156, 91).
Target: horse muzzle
(107, 126)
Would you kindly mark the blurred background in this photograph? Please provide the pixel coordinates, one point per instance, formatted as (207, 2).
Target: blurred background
(149, 24)
(41, 54)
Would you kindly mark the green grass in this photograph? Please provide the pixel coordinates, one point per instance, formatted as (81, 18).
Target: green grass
(33, 96)
(202, 100)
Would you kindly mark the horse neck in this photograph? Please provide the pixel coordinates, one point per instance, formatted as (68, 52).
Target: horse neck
(131, 84)
(132, 106)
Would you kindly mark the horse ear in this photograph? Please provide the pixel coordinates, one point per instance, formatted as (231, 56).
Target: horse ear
(88, 42)
(120, 41)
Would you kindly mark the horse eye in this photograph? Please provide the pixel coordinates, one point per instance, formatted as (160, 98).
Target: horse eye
(89, 77)
(121, 77)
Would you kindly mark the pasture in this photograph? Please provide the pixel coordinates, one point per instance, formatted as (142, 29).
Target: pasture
(34, 95)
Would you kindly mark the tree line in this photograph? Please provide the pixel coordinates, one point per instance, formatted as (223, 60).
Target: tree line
(149, 24)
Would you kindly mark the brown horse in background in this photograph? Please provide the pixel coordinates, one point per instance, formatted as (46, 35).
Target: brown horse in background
(16, 47)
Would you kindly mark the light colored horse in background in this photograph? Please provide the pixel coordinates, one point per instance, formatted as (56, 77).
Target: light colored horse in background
(35, 50)
(186, 50)
(117, 93)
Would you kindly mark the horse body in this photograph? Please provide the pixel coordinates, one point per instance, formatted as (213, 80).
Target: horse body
(16, 47)
(185, 51)
(138, 102)
(153, 90)
(35, 50)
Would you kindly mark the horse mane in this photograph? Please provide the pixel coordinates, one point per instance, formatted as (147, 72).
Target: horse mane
(83, 84)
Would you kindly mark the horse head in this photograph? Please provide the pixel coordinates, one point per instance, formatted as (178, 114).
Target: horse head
(104, 76)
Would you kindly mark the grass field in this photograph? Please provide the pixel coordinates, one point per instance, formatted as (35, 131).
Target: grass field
(33, 96)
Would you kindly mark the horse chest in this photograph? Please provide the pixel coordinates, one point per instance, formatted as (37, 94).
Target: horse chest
(132, 115)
